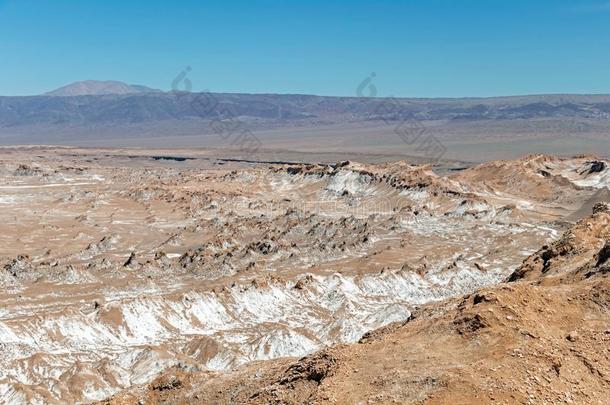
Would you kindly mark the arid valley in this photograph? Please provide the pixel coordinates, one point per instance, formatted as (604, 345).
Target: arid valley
(304, 202)
(174, 276)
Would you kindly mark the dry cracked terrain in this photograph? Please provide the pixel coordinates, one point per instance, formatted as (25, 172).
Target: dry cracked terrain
(132, 276)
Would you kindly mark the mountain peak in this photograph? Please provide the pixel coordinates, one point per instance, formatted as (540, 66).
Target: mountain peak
(98, 87)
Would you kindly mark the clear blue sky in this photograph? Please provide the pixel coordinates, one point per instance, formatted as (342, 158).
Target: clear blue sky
(416, 48)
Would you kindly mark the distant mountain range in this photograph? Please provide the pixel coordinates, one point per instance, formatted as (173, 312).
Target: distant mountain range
(97, 87)
(115, 113)
(114, 103)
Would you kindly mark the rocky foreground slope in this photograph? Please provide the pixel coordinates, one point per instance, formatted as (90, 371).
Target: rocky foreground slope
(541, 338)
(116, 266)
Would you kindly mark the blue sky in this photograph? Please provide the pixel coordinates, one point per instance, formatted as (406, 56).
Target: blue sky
(429, 48)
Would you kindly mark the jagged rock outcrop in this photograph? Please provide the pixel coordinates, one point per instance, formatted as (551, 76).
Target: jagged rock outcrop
(526, 342)
(582, 251)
